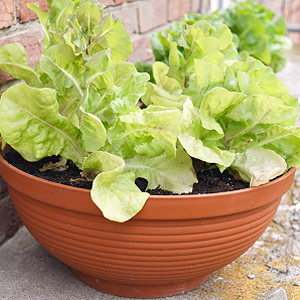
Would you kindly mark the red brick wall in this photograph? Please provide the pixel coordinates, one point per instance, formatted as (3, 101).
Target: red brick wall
(140, 18)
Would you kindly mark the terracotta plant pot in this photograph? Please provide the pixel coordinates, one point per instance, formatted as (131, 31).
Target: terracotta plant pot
(169, 248)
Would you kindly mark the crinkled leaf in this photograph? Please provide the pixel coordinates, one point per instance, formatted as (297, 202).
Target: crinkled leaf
(283, 140)
(262, 109)
(223, 34)
(209, 153)
(62, 66)
(123, 50)
(111, 34)
(93, 132)
(266, 80)
(44, 18)
(160, 72)
(209, 50)
(59, 9)
(68, 105)
(255, 114)
(99, 72)
(158, 96)
(122, 72)
(190, 139)
(258, 165)
(174, 60)
(230, 52)
(88, 16)
(13, 61)
(123, 99)
(31, 124)
(215, 104)
(142, 126)
(114, 193)
(175, 175)
(208, 76)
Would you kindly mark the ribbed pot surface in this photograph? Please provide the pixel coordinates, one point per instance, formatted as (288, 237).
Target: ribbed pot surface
(169, 248)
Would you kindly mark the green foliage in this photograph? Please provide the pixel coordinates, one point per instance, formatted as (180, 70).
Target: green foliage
(235, 111)
(80, 103)
(255, 29)
(205, 100)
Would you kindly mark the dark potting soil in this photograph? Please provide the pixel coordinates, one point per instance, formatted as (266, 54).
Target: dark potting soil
(210, 179)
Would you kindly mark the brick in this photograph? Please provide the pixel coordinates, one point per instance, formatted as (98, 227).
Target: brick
(32, 41)
(7, 13)
(106, 2)
(26, 14)
(292, 12)
(141, 48)
(176, 8)
(111, 2)
(129, 19)
(195, 6)
(205, 6)
(151, 14)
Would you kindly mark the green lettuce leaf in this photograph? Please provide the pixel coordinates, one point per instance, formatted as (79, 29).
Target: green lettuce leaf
(160, 72)
(255, 114)
(111, 33)
(175, 175)
(258, 165)
(215, 104)
(59, 9)
(189, 138)
(63, 67)
(283, 140)
(93, 131)
(208, 76)
(31, 124)
(43, 17)
(142, 126)
(13, 61)
(88, 16)
(157, 96)
(114, 193)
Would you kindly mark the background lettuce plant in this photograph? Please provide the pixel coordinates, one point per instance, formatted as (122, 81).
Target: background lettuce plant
(255, 29)
(80, 103)
(235, 111)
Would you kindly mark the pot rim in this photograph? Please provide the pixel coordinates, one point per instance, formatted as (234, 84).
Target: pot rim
(273, 182)
(162, 207)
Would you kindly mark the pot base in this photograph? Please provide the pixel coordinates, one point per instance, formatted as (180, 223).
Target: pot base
(139, 291)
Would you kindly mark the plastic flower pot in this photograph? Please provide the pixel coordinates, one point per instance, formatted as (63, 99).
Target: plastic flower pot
(169, 248)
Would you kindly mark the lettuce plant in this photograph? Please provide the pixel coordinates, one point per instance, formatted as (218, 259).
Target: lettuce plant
(236, 113)
(80, 103)
(255, 29)
(206, 102)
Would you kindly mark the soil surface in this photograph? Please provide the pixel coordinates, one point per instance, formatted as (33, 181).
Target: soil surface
(210, 179)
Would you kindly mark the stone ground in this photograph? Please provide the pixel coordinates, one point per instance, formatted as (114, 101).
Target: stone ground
(270, 270)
